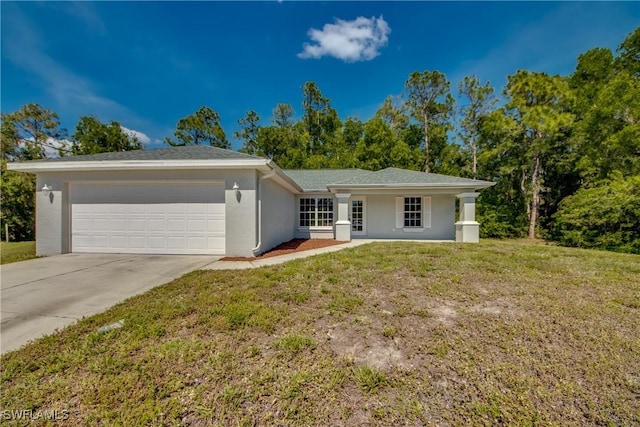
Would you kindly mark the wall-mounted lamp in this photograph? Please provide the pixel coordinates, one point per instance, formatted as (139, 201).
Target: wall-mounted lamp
(46, 190)
(236, 190)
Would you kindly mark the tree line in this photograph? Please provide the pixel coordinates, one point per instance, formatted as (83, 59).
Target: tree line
(564, 151)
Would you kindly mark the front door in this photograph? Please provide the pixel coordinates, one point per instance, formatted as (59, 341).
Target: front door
(358, 216)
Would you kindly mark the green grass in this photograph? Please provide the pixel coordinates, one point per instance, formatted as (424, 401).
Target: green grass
(16, 251)
(499, 333)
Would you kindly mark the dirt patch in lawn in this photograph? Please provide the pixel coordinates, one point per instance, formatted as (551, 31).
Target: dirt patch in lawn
(292, 246)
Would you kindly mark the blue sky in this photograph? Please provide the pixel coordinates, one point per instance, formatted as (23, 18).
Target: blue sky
(148, 64)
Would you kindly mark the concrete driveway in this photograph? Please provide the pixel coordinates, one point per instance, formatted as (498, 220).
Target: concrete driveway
(41, 295)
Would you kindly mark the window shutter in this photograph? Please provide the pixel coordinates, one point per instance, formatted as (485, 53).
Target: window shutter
(399, 212)
(426, 212)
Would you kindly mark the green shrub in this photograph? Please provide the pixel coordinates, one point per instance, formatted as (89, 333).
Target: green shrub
(603, 217)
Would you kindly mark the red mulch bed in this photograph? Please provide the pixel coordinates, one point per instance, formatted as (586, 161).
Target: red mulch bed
(295, 245)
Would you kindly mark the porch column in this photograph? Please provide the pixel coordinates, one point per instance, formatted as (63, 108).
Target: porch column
(467, 229)
(343, 225)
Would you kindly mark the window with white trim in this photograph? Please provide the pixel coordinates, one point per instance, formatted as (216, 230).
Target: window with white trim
(316, 212)
(413, 213)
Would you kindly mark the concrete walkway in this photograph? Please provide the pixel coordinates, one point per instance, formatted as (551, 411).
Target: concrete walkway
(262, 262)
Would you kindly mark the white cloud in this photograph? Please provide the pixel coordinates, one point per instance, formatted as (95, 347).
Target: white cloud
(351, 41)
(52, 147)
(142, 137)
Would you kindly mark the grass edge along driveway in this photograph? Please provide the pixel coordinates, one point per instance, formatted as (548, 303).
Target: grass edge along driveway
(384, 334)
(16, 251)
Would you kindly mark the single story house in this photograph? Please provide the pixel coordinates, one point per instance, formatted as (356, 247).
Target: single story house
(206, 200)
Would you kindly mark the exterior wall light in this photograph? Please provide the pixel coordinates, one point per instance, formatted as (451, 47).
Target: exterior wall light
(236, 188)
(46, 190)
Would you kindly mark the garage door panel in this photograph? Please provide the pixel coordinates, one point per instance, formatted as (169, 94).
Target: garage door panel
(100, 240)
(176, 209)
(135, 209)
(157, 225)
(119, 224)
(196, 209)
(116, 208)
(82, 224)
(137, 242)
(215, 224)
(156, 209)
(100, 224)
(146, 218)
(176, 224)
(119, 242)
(175, 242)
(196, 242)
(156, 242)
(214, 242)
(216, 209)
(82, 240)
(196, 225)
(137, 224)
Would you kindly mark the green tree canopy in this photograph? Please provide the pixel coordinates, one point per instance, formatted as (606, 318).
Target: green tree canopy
(540, 104)
(605, 217)
(92, 136)
(201, 127)
(249, 132)
(320, 120)
(31, 133)
(429, 100)
(480, 100)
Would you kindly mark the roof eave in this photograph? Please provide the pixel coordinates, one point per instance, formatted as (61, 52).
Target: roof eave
(63, 166)
(284, 178)
(476, 185)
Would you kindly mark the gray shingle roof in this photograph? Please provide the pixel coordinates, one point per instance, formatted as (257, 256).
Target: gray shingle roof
(192, 152)
(307, 179)
(319, 180)
(395, 176)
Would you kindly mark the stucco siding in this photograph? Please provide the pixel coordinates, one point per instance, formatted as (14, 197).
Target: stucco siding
(381, 219)
(278, 214)
(53, 215)
(49, 218)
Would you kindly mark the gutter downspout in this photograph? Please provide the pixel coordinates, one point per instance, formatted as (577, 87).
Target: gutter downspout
(256, 250)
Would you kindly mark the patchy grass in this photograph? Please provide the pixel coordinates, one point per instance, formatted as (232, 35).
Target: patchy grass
(16, 251)
(507, 332)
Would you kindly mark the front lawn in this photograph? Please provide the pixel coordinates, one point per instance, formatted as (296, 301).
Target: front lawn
(16, 251)
(510, 333)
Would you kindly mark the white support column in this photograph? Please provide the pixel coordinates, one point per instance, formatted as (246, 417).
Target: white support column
(343, 225)
(467, 229)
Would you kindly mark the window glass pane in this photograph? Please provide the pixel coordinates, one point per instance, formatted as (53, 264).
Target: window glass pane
(307, 212)
(412, 211)
(316, 212)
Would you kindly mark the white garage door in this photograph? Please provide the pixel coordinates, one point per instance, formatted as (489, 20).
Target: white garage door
(185, 218)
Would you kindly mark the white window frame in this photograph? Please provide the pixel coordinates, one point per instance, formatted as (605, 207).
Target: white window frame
(425, 218)
(316, 213)
(363, 200)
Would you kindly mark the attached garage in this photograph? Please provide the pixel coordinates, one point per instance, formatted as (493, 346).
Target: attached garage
(153, 218)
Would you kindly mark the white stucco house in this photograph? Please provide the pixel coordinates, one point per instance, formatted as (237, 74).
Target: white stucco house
(206, 200)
